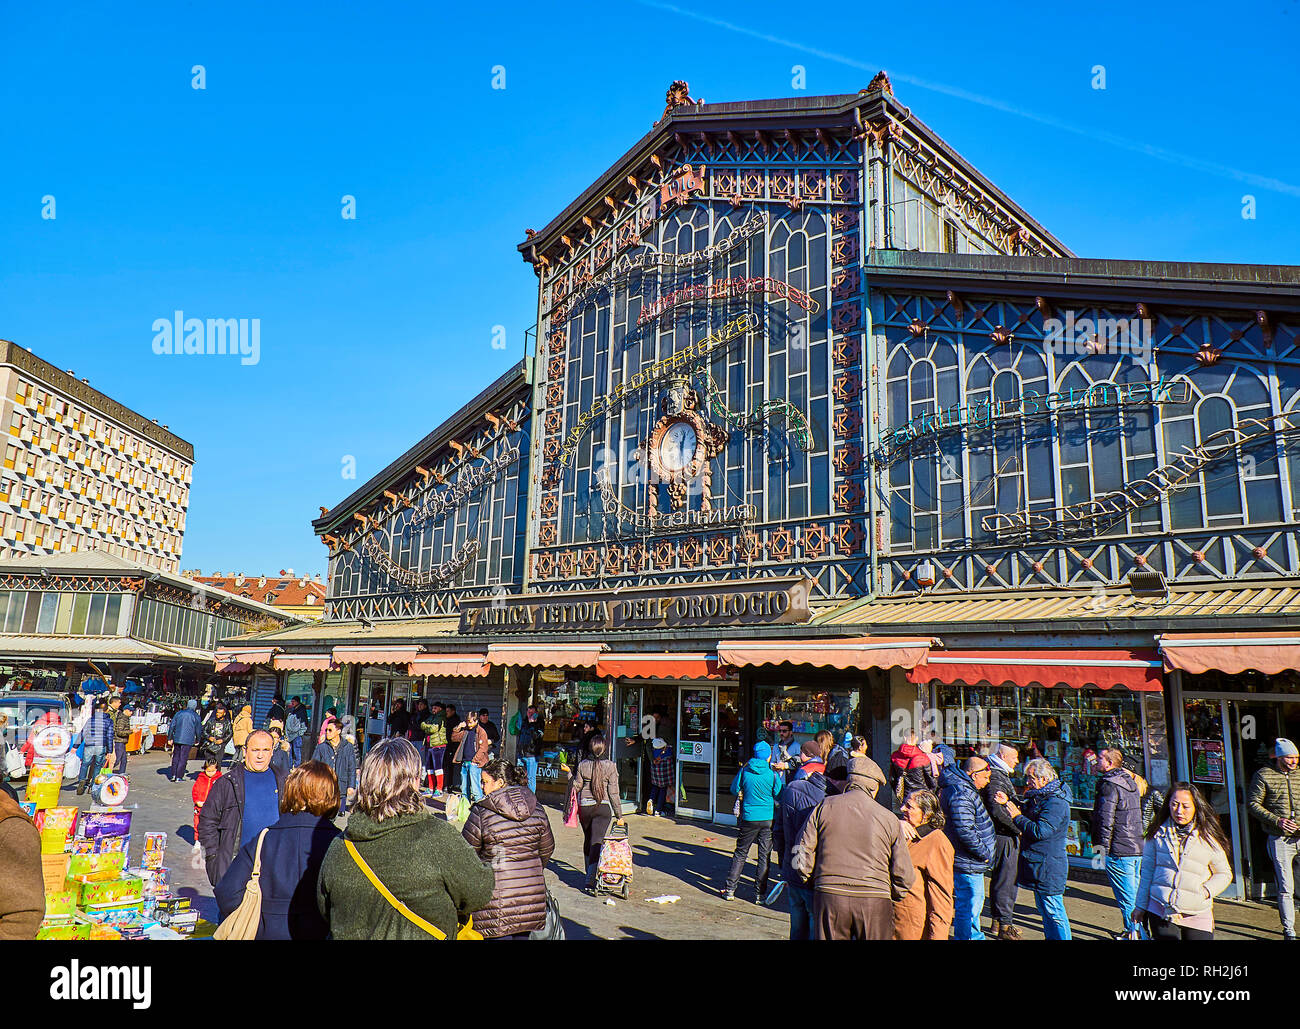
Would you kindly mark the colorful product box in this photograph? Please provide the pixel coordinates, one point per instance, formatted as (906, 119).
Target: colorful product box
(43, 783)
(156, 880)
(88, 864)
(110, 891)
(78, 845)
(95, 824)
(63, 931)
(115, 914)
(155, 847)
(29, 808)
(54, 870)
(113, 845)
(56, 824)
(63, 903)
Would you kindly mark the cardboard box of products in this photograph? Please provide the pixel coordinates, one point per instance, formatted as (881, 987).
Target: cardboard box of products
(43, 783)
(90, 864)
(54, 870)
(63, 902)
(115, 914)
(99, 891)
(63, 931)
(95, 824)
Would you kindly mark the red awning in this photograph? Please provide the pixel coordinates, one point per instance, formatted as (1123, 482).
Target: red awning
(862, 652)
(376, 654)
(1268, 652)
(302, 663)
(246, 655)
(449, 665)
(548, 655)
(1137, 670)
(660, 666)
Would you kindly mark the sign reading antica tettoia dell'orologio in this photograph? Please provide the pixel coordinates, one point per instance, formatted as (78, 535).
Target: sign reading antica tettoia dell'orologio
(752, 602)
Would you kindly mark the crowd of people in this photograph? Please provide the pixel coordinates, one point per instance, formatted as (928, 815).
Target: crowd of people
(860, 852)
(904, 855)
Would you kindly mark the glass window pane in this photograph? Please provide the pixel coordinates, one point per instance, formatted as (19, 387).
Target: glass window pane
(63, 620)
(32, 612)
(95, 620)
(14, 616)
(49, 608)
(112, 613)
(80, 609)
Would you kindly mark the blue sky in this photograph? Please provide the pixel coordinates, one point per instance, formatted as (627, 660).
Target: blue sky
(226, 202)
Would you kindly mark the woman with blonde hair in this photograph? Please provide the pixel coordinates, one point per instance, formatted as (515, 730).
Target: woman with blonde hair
(398, 873)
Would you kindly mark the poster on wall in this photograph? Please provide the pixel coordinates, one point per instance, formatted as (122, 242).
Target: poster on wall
(1207, 762)
(697, 716)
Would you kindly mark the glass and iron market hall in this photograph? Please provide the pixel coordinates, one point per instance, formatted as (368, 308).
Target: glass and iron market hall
(821, 426)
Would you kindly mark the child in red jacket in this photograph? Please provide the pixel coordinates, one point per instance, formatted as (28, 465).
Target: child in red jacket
(211, 773)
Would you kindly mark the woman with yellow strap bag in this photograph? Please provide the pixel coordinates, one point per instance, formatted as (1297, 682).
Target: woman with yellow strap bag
(399, 873)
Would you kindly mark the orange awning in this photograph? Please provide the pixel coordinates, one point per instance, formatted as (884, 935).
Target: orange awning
(1137, 670)
(302, 663)
(233, 668)
(660, 666)
(549, 655)
(862, 652)
(1196, 652)
(449, 665)
(376, 654)
(245, 655)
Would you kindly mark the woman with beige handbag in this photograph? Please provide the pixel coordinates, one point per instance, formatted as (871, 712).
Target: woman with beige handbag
(269, 891)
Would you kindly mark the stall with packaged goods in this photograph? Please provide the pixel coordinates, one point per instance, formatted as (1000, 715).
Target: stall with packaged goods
(573, 708)
(1055, 704)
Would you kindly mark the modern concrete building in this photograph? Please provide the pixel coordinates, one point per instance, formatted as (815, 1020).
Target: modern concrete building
(81, 472)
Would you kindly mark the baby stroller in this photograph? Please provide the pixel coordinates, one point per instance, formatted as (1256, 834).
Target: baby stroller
(614, 869)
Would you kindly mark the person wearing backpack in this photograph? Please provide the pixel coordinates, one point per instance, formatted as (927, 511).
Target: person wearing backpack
(757, 786)
(596, 785)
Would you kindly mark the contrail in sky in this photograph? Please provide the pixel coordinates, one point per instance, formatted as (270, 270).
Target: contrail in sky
(1159, 153)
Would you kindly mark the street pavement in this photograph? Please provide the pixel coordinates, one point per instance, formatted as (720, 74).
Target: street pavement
(683, 859)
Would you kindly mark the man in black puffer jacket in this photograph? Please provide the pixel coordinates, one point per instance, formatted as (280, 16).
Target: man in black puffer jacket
(1004, 868)
(1117, 830)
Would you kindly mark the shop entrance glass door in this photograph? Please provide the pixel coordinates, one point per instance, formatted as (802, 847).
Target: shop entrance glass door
(1256, 726)
(696, 743)
(630, 746)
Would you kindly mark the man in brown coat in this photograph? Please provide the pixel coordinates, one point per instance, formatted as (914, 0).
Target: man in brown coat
(853, 854)
(22, 898)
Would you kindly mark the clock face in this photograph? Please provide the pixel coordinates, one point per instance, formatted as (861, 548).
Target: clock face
(677, 447)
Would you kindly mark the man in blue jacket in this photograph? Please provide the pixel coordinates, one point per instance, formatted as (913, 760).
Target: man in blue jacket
(970, 829)
(97, 736)
(184, 734)
(792, 809)
(757, 785)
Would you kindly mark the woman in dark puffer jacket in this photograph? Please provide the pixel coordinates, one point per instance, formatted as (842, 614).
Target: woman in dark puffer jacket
(510, 831)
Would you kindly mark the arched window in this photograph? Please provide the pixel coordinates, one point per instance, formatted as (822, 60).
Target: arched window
(1242, 486)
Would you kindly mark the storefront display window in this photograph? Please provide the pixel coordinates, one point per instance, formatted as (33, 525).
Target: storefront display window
(1065, 726)
(573, 710)
(810, 709)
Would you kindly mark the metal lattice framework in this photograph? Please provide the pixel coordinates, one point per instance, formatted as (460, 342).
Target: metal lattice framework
(1117, 490)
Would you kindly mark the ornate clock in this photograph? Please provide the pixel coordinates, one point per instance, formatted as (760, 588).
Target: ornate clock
(680, 446)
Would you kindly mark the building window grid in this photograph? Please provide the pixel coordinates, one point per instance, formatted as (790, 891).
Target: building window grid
(770, 489)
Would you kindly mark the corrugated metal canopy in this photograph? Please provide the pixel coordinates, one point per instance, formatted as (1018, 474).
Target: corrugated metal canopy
(1208, 603)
